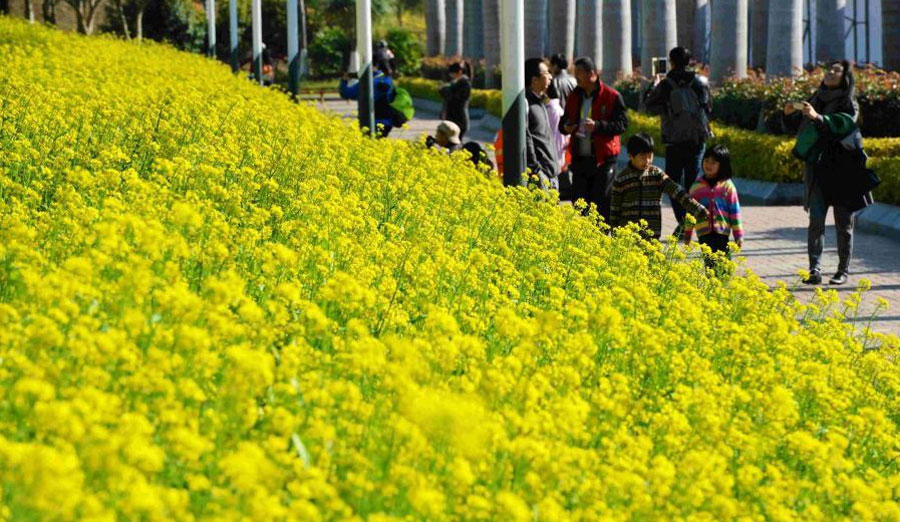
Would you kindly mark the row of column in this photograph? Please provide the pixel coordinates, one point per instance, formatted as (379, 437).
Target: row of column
(727, 34)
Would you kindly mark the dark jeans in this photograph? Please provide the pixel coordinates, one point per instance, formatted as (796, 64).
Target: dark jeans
(593, 183)
(843, 224)
(716, 243)
(683, 164)
(566, 189)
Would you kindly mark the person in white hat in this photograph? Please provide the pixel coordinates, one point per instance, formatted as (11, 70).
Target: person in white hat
(446, 136)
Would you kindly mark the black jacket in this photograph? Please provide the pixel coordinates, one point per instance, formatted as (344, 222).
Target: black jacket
(656, 100)
(540, 156)
(561, 87)
(841, 171)
(456, 102)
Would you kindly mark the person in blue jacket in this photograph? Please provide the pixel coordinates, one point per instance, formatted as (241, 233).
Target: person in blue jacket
(384, 92)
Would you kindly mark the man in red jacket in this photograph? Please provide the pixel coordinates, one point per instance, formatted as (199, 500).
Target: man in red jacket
(595, 117)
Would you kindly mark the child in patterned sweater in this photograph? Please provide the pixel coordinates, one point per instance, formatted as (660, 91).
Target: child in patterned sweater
(717, 193)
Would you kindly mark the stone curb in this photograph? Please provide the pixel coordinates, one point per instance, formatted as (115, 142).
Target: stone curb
(881, 219)
(768, 193)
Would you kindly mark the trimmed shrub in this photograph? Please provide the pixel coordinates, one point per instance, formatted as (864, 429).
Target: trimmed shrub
(756, 103)
(407, 50)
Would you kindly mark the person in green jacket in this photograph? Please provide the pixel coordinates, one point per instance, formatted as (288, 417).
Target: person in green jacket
(829, 142)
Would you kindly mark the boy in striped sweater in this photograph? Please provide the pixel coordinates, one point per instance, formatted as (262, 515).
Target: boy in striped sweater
(715, 191)
(637, 190)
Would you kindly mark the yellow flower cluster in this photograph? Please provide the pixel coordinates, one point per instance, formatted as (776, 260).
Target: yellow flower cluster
(216, 304)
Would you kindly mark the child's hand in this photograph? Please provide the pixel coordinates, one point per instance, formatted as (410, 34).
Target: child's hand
(739, 242)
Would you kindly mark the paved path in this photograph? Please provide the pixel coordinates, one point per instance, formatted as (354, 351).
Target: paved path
(775, 244)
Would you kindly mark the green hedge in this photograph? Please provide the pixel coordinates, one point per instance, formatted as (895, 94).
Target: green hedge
(756, 102)
(754, 155)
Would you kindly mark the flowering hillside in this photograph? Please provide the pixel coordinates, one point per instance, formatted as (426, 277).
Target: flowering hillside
(216, 304)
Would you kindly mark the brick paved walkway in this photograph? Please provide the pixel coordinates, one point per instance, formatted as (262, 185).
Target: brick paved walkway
(775, 243)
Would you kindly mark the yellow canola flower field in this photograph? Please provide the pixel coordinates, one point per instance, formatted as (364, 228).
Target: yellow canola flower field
(216, 304)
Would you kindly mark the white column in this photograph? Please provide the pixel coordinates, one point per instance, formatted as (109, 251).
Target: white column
(233, 34)
(785, 56)
(512, 58)
(256, 22)
(211, 22)
(293, 48)
(364, 52)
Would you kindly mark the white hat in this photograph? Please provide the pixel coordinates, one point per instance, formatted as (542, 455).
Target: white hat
(450, 130)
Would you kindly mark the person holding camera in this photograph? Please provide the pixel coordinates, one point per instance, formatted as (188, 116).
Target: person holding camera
(682, 98)
(446, 137)
(456, 96)
(383, 93)
(595, 118)
(830, 144)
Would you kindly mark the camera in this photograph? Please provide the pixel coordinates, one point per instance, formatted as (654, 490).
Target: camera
(659, 66)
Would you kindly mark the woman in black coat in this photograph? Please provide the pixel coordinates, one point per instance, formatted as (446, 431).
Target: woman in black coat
(456, 96)
(832, 173)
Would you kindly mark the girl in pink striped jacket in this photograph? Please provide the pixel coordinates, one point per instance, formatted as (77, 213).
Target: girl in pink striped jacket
(715, 191)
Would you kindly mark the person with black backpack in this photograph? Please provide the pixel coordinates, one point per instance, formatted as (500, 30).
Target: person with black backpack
(683, 100)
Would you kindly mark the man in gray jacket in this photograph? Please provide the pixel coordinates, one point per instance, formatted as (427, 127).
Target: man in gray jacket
(540, 151)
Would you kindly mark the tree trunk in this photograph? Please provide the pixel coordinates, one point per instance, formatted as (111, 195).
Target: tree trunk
(616, 18)
(785, 56)
(830, 29)
(79, 16)
(454, 21)
(700, 38)
(48, 10)
(120, 10)
(562, 27)
(660, 31)
(728, 52)
(435, 27)
(139, 24)
(474, 30)
(491, 22)
(90, 9)
(535, 28)
(589, 31)
(760, 32)
(29, 10)
(890, 24)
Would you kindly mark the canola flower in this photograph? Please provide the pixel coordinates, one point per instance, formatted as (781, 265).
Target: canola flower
(218, 305)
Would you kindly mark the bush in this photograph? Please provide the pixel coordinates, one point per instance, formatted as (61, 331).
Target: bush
(757, 102)
(888, 169)
(407, 51)
(329, 52)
